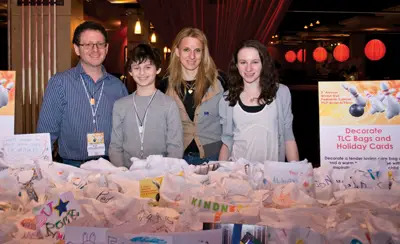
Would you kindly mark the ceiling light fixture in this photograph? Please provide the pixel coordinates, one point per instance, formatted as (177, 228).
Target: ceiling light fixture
(153, 38)
(311, 25)
(317, 22)
(305, 27)
(138, 27)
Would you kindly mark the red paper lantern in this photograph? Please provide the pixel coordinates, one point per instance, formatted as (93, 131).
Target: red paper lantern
(341, 53)
(290, 56)
(375, 50)
(320, 54)
(301, 55)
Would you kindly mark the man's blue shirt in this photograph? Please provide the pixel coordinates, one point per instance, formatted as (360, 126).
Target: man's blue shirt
(66, 112)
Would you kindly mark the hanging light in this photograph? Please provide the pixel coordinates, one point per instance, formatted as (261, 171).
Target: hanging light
(276, 36)
(311, 25)
(138, 27)
(320, 54)
(301, 55)
(341, 53)
(165, 49)
(317, 22)
(290, 56)
(305, 27)
(153, 38)
(169, 50)
(375, 50)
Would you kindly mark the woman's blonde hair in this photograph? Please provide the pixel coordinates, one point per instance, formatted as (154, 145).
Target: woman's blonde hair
(206, 73)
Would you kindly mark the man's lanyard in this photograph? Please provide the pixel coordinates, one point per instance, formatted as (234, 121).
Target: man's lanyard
(141, 123)
(93, 105)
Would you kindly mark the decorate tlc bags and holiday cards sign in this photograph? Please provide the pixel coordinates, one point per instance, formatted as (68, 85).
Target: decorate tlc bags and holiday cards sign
(359, 122)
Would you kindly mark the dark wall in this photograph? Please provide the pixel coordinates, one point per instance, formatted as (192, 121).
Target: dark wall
(388, 66)
(3, 48)
(306, 124)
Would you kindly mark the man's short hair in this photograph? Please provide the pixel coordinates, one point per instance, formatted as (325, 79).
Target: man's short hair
(88, 25)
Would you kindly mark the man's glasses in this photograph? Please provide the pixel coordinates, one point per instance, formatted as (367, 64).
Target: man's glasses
(89, 46)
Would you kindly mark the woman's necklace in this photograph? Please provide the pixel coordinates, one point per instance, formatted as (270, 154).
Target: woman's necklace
(190, 87)
(250, 98)
(253, 99)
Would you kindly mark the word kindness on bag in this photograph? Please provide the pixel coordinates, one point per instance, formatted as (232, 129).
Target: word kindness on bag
(214, 206)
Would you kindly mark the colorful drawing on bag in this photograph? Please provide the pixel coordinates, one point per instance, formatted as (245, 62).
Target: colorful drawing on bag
(369, 179)
(52, 217)
(148, 239)
(284, 199)
(29, 229)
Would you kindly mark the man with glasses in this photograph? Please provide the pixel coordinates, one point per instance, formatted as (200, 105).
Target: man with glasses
(77, 104)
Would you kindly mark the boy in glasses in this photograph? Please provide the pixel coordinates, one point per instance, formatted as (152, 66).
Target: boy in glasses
(77, 104)
(146, 122)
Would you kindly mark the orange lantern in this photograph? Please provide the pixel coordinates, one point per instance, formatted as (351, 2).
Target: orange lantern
(301, 55)
(375, 50)
(290, 56)
(320, 54)
(341, 53)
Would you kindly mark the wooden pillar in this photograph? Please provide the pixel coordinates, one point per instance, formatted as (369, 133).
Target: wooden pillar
(40, 46)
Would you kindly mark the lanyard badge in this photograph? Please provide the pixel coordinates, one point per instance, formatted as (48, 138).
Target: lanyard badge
(95, 141)
(95, 144)
(141, 122)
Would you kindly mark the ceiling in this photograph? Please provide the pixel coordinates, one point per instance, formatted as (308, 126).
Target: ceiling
(338, 19)
(122, 1)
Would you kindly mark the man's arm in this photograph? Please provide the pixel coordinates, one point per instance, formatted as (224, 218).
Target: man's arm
(52, 109)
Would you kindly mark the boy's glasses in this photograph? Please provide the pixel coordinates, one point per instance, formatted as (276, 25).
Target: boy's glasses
(89, 46)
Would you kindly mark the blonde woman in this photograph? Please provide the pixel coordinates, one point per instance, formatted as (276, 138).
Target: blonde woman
(193, 81)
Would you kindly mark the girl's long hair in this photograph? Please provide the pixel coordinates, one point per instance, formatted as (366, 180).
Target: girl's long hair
(206, 73)
(268, 77)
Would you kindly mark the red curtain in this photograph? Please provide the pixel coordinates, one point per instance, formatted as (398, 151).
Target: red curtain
(225, 22)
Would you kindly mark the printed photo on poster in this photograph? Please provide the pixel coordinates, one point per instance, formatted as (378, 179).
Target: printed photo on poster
(7, 102)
